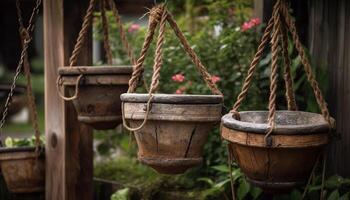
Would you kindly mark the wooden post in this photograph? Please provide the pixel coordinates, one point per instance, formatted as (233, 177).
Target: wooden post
(69, 153)
(329, 36)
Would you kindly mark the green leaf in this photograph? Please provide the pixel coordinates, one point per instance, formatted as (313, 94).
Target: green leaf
(221, 168)
(255, 192)
(334, 195)
(206, 180)
(9, 142)
(236, 174)
(333, 182)
(243, 189)
(222, 183)
(122, 194)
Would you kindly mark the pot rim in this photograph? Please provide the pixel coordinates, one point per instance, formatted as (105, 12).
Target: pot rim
(17, 149)
(319, 126)
(95, 70)
(172, 98)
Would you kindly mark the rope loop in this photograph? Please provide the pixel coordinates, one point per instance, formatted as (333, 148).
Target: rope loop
(76, 93)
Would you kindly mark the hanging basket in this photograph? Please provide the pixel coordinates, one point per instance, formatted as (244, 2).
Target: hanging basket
(99, 88)
(278, 150)
(170, 130)
(95, 91)
(22, 170)
(176, 130)
(298, 140)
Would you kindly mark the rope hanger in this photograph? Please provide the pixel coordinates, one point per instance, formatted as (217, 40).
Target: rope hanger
(81, 40)
(276, 31)
(159, 15)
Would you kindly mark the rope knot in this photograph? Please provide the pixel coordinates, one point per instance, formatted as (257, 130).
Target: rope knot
(156, 14)
(25, 35)
(235, 114)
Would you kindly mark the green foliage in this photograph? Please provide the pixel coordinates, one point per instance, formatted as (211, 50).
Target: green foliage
(243, 189)
(25, 142)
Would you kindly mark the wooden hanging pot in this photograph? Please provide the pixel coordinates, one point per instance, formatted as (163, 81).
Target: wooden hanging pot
(98, 91)
(277, 150)
(297, 141)
(170, 130)
(23, 170)
(95, 91)
(176, 130)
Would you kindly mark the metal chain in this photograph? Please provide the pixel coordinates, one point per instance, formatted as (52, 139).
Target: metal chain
(28, 31)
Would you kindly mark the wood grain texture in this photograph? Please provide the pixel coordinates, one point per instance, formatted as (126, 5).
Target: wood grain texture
(329, 44)
(69, 144)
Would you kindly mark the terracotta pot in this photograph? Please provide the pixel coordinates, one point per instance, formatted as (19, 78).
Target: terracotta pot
(22, 172)
(98, 102)
(296, 143)
(18, 102)
(176, 130)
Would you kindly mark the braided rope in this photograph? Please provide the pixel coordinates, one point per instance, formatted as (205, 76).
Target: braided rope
(159, 54)
(247, 82)
(307, 66)
(154, 18)
(274, 68)
(288, 80)
(105, 30)
(82, 34)
(122, 33)
(195, 59)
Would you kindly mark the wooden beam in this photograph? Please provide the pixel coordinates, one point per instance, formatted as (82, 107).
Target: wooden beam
(68, 144)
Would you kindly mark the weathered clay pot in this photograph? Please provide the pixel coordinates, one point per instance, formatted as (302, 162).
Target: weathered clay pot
(98, 102)
(174, 135)
(23, 173)
(18, 102)
(297, 141)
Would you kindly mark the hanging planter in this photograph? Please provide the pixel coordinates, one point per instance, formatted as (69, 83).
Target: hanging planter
(176, 130)
(98, 90)
(170, 130)
(298, 140)
(23, 170)
(95, 91)
(277, 150)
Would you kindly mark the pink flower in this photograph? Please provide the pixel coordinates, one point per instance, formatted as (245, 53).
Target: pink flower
(215, 79)
(178, 78)
(256, 21)
(178, 91)
(133, 28)
(181, 90)
(246, 26)
(250, 24)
